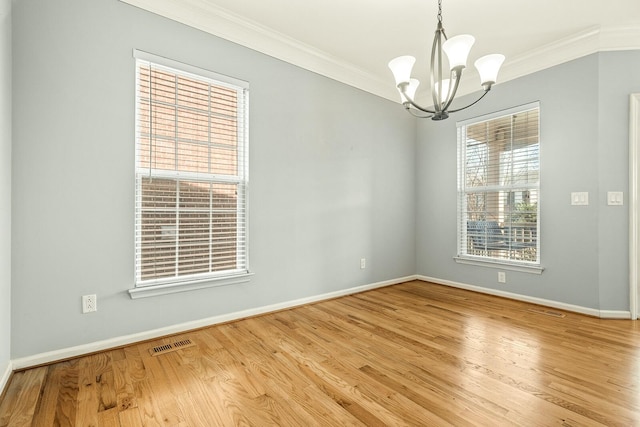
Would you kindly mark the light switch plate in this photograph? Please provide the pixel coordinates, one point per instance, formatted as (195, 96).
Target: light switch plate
(615, 198)
(580, 198)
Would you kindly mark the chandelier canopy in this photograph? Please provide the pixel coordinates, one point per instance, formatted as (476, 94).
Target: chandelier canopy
(443, 91)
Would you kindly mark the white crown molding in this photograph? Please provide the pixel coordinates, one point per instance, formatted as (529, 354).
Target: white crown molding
(592, 40)
(596, 39)
(220, 22)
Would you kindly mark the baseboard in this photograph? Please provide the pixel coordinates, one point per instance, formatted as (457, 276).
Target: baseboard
(604, 314)
(5, 376)
(67, 353)
(615, 314)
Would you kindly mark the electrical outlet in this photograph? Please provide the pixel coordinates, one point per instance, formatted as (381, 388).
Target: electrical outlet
(502, 277)
(89, 304)
(363, 263)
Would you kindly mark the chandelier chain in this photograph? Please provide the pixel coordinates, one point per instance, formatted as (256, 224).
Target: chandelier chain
(439, 10)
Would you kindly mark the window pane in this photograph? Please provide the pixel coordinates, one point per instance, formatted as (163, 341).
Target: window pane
(520, 165)
(225, 131)
(477, 165)
(193, 93)
(193, 125)
(224, 223)
(498, 199)
(190, 220)
(158, 194)
(193, 157)
(224, 161)
(193, 237)
(163, 153)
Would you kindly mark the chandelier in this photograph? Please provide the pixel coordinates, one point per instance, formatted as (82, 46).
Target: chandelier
(443, 90)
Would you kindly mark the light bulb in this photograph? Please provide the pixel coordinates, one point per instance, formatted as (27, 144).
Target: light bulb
(410, 90)
(445, 90)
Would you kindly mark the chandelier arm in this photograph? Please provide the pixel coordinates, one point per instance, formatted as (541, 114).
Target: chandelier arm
(418, 107)
(473, 103)
(414, 114)
(436, 73)
(457, 71)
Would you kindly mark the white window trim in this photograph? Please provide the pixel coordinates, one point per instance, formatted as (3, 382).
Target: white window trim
(230, 277)
(190, 285)
(534, 268)
(195, 71)
(500, 264)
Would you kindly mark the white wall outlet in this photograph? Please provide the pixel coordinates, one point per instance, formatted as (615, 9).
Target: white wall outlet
(502, 277)
(89, 304)
(363, 263)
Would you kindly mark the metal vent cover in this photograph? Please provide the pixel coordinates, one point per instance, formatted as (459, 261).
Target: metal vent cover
(547, 312)
(167, 348)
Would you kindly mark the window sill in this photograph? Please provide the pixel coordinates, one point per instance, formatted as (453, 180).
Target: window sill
(524, 268)
(172, 288)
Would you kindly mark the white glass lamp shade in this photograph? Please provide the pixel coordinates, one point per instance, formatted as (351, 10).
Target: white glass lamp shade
(401, 68)
(445, 90)
(410, 90)
(488, 67)
(457, 49)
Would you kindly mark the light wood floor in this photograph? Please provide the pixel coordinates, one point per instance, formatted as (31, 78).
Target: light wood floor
(410, 354)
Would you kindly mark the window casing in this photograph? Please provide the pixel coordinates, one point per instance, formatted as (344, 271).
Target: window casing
(499, 188)
(191, 174)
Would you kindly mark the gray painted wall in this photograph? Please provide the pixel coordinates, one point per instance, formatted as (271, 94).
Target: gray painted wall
(5, 185)
(332, 176)
(584, 147)
(619, 77)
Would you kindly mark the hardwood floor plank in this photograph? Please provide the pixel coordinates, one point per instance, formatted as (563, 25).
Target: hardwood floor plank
(25, 398)
(105, 384)
(68, 388)
(150, 411)
(46, 408)
(163, 395)
(198, 414)
(88, 400)
(130, 417)
(11, 398)
(109, 418)
(123, 386)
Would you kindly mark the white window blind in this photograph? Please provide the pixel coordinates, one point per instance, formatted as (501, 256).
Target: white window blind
(499, 187)
(191, 173)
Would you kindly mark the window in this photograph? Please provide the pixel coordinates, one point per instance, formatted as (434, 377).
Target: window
(499, 187)
(191, 174)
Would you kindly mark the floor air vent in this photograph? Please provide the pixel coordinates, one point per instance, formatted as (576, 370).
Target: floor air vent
(547, 312)
(166, 348)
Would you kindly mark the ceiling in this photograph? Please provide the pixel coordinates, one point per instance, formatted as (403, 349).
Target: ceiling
(353, 40)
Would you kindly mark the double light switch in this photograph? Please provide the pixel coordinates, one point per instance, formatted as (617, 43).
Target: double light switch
(614, 198)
